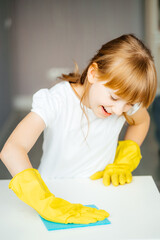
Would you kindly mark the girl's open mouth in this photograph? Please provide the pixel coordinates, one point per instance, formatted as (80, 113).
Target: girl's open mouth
(105, 111)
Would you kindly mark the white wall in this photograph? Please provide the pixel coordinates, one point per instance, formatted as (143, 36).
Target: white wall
(52, 33)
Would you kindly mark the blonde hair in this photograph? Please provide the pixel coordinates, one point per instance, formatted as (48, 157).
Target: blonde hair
(127, 66)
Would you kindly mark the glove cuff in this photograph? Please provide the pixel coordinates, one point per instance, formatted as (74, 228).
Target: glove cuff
(28, 183)
(128, 152)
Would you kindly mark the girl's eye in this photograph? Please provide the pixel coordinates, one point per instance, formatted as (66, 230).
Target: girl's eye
(131, 104)
(114, 99)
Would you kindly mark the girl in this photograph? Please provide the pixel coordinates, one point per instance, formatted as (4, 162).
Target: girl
(82, 117)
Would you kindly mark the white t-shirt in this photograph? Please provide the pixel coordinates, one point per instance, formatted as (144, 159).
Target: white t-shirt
(68, 152)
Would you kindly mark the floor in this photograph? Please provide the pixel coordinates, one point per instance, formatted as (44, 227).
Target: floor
(149, 165)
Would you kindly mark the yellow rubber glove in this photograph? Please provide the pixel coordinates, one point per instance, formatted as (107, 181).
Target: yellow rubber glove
(31, 189)
(127, 158)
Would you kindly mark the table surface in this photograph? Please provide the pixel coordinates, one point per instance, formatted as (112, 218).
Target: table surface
(134, 211)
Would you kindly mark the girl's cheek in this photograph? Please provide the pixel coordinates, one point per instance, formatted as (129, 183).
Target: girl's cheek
(109, 102)
(127, 108)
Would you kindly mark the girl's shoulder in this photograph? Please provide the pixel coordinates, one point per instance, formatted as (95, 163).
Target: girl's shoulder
(48, 102)
(64, 91)
(59, 87)
(54, 94)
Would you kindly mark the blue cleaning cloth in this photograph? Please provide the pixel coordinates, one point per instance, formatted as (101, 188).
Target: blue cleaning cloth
(51, 226)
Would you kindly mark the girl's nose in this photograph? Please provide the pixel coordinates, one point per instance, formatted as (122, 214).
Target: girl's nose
(118, 108)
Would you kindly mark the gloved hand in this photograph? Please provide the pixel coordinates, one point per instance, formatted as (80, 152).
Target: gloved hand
(31, 189)
(127, 158)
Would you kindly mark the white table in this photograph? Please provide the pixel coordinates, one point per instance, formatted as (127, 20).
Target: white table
(134, 211)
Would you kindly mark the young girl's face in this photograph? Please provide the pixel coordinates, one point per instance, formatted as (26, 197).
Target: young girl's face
(104, 102)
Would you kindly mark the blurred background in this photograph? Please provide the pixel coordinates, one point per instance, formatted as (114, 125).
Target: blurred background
(40, 39)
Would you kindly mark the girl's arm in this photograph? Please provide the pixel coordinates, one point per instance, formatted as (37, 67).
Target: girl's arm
(30, 187)
(15, 151)
(138, 131)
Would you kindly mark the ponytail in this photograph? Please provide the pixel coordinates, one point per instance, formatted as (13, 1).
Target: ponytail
(75, 77)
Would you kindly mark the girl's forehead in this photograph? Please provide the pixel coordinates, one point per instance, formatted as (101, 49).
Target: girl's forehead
(119, 94)
(112, 91)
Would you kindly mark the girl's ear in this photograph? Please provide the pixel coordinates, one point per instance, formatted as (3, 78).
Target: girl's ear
(91, 74)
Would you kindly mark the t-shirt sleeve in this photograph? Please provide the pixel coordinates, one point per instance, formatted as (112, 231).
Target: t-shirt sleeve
(134, 109)
(45, 105)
